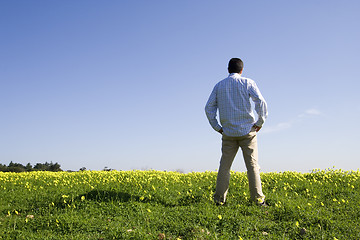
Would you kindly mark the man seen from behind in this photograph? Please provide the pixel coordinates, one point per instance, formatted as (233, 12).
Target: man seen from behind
(238, 126)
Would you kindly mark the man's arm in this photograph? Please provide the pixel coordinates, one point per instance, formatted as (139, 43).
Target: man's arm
(211, 109)
(260, 106)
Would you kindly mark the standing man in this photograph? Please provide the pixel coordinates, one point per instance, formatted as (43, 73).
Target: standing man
(231, 97)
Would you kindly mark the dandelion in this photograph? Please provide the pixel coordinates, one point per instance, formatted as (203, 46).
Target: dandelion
(219, 217)
(297, 224)
(82, 198)
(148, 210)
(322, 204)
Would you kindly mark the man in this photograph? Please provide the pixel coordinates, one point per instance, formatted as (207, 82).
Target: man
(231, 97)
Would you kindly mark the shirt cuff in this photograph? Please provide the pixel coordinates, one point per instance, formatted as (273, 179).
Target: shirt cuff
(259, 123)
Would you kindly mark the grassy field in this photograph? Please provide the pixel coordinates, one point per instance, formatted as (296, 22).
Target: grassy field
(324, 204)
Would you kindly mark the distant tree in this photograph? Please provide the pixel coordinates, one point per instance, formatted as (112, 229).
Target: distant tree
(82, 169)
(28, 167)
(3, 168)
(18, 167)
(40, 167)
(15, 167)
(54, 167)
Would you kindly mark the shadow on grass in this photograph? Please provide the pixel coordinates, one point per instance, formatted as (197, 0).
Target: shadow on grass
(123, 197)
(108, 196)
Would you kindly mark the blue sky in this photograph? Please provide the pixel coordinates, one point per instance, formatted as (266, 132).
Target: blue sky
(123, 84)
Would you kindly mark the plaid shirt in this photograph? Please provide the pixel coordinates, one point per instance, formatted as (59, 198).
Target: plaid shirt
(232, 97)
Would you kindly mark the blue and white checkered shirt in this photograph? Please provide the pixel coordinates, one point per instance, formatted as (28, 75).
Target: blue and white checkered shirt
(232, 97)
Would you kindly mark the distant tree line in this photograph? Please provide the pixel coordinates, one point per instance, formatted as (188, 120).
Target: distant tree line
(18, 167)
(52, 167)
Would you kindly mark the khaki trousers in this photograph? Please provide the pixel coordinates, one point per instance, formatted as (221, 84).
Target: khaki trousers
(230, 146)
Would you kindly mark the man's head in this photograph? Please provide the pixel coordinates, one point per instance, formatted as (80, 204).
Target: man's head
(235, 65)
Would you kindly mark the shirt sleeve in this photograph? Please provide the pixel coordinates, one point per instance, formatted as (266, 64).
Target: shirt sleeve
(260, 104)
(211, 110)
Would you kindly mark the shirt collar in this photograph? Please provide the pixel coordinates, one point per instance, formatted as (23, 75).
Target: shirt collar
(234, 75)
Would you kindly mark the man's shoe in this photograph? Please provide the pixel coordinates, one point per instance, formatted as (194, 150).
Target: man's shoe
(219, 203)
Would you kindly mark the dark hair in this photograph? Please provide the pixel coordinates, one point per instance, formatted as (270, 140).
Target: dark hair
(235, 65)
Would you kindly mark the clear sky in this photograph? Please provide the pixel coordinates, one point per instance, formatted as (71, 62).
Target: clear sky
(123, 84)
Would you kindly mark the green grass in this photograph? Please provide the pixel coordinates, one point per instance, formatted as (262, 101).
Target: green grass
(170, 205)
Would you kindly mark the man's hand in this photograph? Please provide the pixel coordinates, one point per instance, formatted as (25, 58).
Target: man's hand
(221, 131)
(257, 128)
